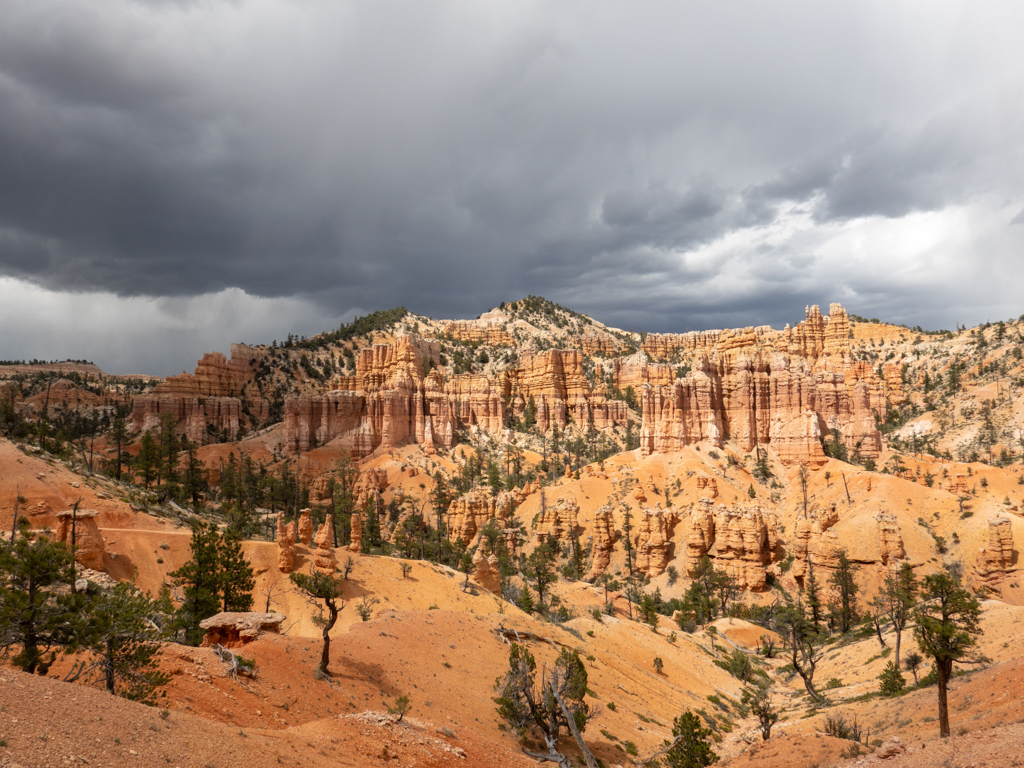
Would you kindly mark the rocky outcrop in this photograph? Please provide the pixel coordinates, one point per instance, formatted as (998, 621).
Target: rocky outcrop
(602, 541)
(746, 542)
(472, 331)
(485, 571)
(88, 541)
(285, 545)
(636, 370)
(376, 479)
(654, 539)
(470, 512)
(356, 544)
(701, 536)
(814, 544)
(324, 560)
(306, 526)
(957, 485)
(996, 557)
(707, 486)
(206, 404)
(556, 520)
(890, 541)
(791, 391)
(742, 540)
(233, 629)
(389, 402)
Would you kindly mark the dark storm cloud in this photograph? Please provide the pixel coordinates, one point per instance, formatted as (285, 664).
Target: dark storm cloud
(661, 166)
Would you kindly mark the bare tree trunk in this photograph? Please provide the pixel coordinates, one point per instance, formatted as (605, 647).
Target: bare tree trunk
(74, 543)
(14, 522)
(325, 654)
(943, 702)
(591, 763)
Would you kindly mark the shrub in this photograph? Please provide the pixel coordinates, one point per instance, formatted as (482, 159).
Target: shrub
(891, 682)
(838, 726)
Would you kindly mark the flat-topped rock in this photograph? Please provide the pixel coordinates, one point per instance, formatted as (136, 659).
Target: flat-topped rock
(237, 628)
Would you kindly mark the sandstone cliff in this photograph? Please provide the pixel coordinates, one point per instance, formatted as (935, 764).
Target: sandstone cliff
(208, 399)
(742, 540)
(996, 557)
(789, 391)
(654, 546)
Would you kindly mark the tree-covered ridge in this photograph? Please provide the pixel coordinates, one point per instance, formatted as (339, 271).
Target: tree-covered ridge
(381, 320)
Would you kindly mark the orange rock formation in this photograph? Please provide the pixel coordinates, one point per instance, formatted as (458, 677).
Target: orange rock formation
(89, 544)
(995, 558)
(602, 541)
(306, 526)
(209, 397)
(285, 545)
(890, 541)
(324, 560)
(742, 540)
(557, 520)
(654, 539)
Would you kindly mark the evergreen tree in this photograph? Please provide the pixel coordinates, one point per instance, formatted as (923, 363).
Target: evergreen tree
(322, 587)
(556, 702)
(119, 437)
(627, 539)
(896, 600)
(168, 448)
(126, 644)
(35, 615)
(891, 682)
(948, 627)
(812, 593)
(692, 748)
(146, 462)
(804, 645)
(530, 414)
(200, 582)
(540, 568)
(194, 483)
(345, 475)
(844, 589)
(234, 574)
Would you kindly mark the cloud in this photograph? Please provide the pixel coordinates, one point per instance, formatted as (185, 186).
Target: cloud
(662, 166)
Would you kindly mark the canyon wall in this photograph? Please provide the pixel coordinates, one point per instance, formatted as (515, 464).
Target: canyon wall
(206, 404)
(790, 391)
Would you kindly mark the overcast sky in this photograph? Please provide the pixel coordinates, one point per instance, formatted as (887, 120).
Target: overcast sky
(175, 176)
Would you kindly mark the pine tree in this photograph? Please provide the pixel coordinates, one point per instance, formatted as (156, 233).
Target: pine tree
(891, 682)
(119, 437)
(540, 568)
(804, 645)
(812, 592)
(199, 580)
(627, 539)
(692, 748)
(34, 615)
(896, 600)
(168, 454)
(322, 587)
(948, 627)
(548, 706)
(194, 483)
(844, 605)
(146, 462)
(234, 574)
(126, 645)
